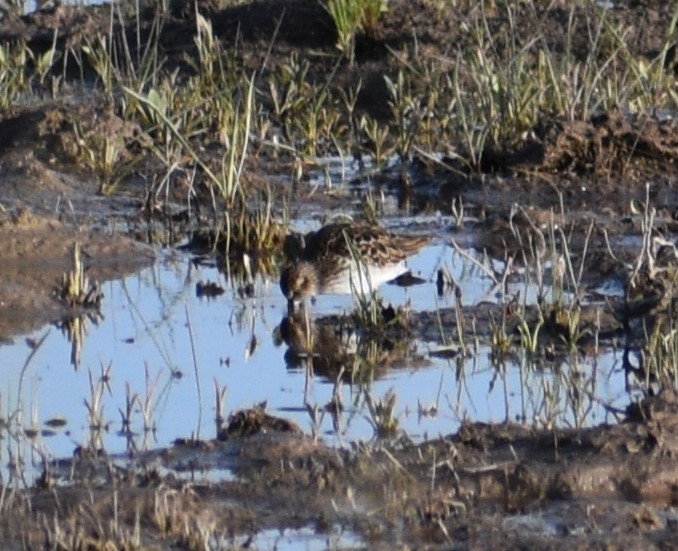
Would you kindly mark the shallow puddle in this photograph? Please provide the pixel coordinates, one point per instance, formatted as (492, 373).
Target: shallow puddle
(304, 539)
(160, 356)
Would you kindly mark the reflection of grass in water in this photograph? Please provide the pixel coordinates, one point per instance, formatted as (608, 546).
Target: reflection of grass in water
(84, 297)
(95, 409)
(219, 404)
(195, 371)
(242, 271)
(154, 396)
(164, 352)
(244, 321)
(563, 321)
(146, 404)
(507, 86)
(561, 393)
(75, 329)
(18, 432)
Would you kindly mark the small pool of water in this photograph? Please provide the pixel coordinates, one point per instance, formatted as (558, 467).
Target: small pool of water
(303, 539)
(150, 371)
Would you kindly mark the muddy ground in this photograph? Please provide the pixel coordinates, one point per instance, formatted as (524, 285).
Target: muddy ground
(505, 486)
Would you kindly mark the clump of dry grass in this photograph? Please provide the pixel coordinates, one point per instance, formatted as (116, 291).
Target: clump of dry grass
(77, 289)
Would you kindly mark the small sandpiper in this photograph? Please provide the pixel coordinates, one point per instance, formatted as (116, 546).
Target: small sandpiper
(342, 258)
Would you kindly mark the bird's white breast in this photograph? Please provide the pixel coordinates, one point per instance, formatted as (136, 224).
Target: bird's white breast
(355, 278)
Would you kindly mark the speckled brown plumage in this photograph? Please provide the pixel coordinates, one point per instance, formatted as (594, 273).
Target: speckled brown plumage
(323, 260)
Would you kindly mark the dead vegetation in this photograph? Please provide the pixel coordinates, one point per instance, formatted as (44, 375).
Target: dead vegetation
(545, 120)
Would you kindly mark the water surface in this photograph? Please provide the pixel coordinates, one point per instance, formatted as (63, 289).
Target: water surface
(168, 353)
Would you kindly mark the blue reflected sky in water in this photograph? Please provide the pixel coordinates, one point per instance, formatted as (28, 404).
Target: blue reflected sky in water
(145, 337)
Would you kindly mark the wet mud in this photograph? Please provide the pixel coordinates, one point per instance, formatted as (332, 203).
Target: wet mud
(504, 486)
(501, 486)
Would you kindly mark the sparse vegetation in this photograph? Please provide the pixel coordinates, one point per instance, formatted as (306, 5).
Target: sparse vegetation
(187, 116)
(352, 17)
(77, 289)
(382, 414)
